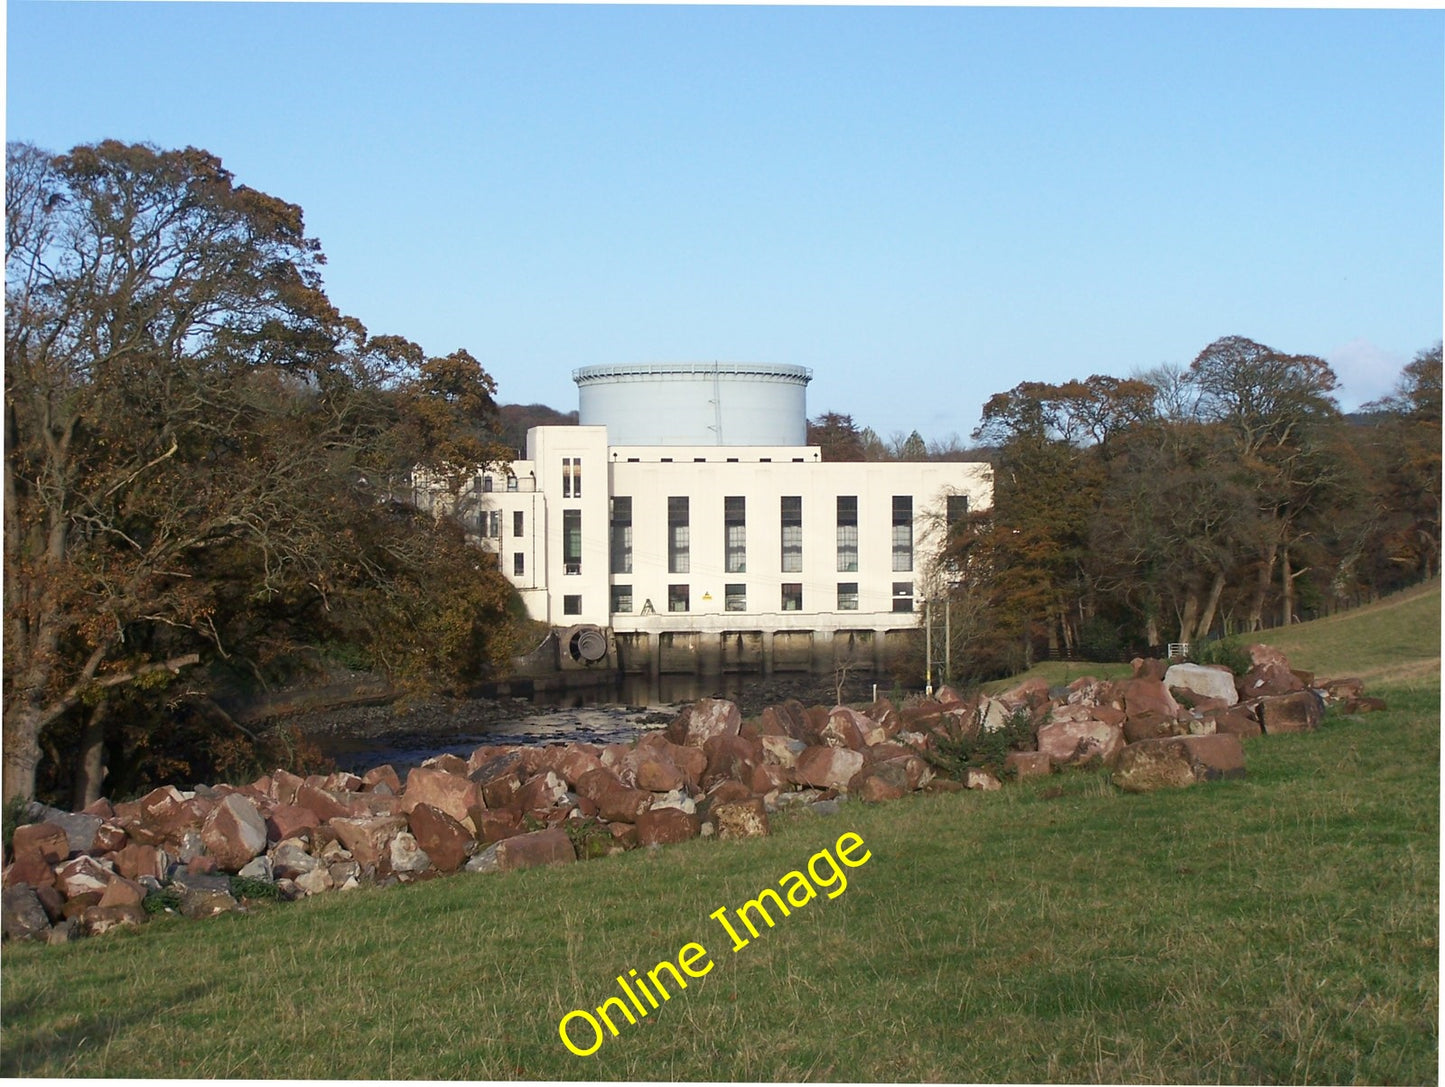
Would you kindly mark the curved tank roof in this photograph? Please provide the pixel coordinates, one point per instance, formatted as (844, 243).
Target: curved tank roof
(701, 403)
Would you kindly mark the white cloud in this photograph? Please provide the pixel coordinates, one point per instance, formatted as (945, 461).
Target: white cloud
(1366, 372)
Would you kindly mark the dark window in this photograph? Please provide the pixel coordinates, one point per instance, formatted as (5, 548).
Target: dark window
(903, 596)
(847, 596)
(519, 564)
(792, 525)
(622, 599)
(621, 536)
(571, 605)
(957, 508)
(677, 598)
(847, 533)
(792, 596)
(679, 543)
(902, 535)
(735, 533)
(516, 522)
(735, 598)
(571, 541)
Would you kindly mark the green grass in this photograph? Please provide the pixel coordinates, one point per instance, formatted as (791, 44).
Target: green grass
(1279, 928)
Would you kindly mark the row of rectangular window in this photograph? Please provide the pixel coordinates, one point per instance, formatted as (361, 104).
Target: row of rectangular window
(735, 598)
(489, 524)
(679, 534)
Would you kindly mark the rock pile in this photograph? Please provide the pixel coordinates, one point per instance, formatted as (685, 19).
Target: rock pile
(206, 851)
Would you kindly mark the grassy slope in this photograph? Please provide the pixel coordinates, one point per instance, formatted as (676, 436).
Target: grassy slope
(1278, 928)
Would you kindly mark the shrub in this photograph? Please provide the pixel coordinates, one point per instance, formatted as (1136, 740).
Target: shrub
(1230, 652)
(961, 749)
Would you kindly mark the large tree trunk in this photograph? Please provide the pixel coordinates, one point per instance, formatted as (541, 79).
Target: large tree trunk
(90, 763)
(22, 752)
(1188, 622)
(1264, 577)
(1211, 605)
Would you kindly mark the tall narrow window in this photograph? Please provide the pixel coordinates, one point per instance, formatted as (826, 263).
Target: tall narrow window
(903, 532)
(847, 533)
(571, 477)
(571, 541)
(487, 484)
(566, 477)
(792, 512)
(519, 564)
(517, 523)
(494, 523)
(735, 532)
(621, 536)
(957, 508)
(679, 544)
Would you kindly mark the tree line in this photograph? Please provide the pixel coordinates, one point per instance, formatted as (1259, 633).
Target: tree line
(1188, 503)
(205, 474)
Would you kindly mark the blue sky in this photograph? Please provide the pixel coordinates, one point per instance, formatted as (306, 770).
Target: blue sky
(925, 205)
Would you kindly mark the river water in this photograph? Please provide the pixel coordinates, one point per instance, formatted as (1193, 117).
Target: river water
(619, 711)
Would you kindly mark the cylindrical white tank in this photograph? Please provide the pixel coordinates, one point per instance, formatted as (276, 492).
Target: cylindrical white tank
(705, 403)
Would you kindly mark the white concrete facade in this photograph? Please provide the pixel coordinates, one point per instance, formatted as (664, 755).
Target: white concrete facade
(658, 541)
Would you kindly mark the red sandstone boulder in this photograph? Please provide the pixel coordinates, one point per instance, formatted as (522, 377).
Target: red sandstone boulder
(658, 775)
(879, 782)
(551, 846)
(1301, 711)
(1070, 743)
(1238, 721)
(451, 793)
(382, 775)
(122, 892)
(285, 785)
(110, 837)
(623, 805)
(83, 875)
(1148, 668)
(1268, 678)
(441, 837)
(827, 767)
(137, 860)
(448, 764)
(493, 826)
(367, 839)
(321, 803)
(289, 821)
(741, 819)
(845, 729)
(1177, 761)
(703, 720)
(1142, 696)
(47, 842)
(730, 757)
(666, 826)
(234, 832)
(542, 793)
(595, 783)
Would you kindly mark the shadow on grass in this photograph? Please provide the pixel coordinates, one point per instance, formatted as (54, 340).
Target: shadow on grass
(32, 1049)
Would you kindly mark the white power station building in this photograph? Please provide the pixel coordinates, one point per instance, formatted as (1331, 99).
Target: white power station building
(685, 526)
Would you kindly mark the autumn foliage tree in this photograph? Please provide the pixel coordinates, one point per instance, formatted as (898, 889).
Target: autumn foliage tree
(1223, 496)
(199, 447)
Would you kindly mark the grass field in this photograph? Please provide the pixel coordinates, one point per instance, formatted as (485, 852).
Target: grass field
(1279, 928)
